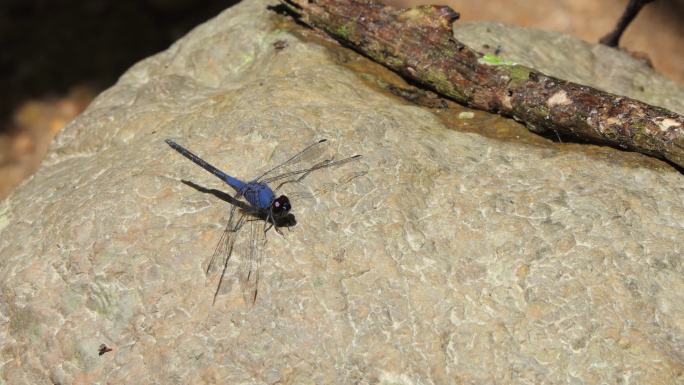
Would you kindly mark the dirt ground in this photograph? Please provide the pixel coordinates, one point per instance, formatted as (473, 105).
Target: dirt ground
(657, 32)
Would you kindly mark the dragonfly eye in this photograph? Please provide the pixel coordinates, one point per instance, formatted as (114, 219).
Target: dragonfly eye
(281, 205)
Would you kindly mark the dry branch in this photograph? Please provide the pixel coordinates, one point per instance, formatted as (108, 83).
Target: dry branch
(418, 43)
(612, 39)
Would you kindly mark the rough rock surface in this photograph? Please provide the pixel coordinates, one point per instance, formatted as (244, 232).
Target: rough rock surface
(459, 258)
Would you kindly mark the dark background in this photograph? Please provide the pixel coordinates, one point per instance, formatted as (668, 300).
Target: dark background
(49, 46)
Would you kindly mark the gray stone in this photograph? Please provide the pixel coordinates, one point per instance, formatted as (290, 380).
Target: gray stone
(470, 252)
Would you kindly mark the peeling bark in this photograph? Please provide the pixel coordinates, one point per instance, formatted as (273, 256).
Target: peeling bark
(418, 43)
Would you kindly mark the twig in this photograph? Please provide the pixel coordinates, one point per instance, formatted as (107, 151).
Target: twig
(418, 43)
(612, 39)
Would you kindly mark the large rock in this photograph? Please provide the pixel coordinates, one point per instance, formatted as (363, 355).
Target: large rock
(470, 252)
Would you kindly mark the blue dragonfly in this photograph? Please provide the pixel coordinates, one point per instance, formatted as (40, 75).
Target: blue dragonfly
(261, 204)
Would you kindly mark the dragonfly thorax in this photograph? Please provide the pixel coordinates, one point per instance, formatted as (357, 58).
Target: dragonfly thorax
(259, 195)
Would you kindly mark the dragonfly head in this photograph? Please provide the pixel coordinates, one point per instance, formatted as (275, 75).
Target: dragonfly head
(281, 206)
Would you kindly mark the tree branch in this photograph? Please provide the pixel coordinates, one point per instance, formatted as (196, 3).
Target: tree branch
(418, 44)
(612, 39)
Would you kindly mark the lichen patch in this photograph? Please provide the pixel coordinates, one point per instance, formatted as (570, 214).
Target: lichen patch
(668, 123)
(560, 98)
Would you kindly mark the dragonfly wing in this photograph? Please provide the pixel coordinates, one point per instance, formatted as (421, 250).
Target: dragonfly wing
(310, 155)
(224, 248)
(252, 253)
(219, 251)
(325, 187)
(297, 176)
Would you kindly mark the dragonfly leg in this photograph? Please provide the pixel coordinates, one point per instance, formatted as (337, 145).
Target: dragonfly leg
(272, 224)
(269, 220)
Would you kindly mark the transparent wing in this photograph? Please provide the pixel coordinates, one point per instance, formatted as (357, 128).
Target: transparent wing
(252, 254)
(325, 187)
(297, 176)
(310, 155)
(224, 248)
